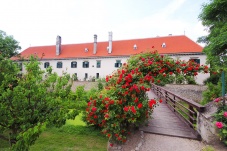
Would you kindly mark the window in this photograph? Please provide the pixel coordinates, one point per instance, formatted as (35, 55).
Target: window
(86, 76)
(195, 60)
(20, 65)
(85, 64)
(97, 75)
(73, 64)
(59, 64)
(98, 64)
(46, 64)
(118, 64)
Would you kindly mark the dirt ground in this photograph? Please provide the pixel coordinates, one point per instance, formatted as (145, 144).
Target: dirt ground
(87, 85)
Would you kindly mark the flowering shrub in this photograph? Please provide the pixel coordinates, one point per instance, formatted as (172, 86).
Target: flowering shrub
(221, 119)
(123, 103)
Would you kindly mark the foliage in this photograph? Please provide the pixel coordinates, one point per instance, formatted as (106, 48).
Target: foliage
(30, 103)
(100, 85)
(123, 103)
(213, 90)
(214, 18)
(8, 45)
(214, 78)
(74, 77)
(221, 119)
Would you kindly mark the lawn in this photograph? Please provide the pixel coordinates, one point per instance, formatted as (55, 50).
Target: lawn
(74, 136)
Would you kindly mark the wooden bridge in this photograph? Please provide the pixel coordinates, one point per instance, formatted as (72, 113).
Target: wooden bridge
(175, 116)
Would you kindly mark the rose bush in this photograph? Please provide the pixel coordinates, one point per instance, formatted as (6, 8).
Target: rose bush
(123, 104)
(221, 119)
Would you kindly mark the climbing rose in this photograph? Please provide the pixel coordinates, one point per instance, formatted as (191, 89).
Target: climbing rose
(225, 114)
(219, 124)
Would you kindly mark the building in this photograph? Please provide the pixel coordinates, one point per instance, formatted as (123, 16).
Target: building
(98, 59)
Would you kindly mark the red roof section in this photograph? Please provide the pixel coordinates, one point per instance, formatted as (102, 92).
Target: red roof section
(174, 44)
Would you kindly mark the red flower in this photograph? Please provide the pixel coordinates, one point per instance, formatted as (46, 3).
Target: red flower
(112, 102)
(94, 109)
(108, 135)
(107, 78)
(136, 100)
(95, 116)
(160, 101)
(126, 108)
(151, 103)
(133, 109)
(140, 105)
(170, 73)
(106, 116)
(111, 145)
(89, 104)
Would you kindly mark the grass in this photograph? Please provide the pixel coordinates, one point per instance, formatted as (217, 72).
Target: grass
(74, 136)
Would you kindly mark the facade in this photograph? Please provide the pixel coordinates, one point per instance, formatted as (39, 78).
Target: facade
(98, 59)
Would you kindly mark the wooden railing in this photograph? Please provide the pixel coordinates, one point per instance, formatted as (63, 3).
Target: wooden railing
(184, 108)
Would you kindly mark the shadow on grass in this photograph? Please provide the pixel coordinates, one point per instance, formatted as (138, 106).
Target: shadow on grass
(68, 137)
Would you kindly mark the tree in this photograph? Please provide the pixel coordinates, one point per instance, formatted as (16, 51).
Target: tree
(214, 18)
(8, 46)
(30, 102)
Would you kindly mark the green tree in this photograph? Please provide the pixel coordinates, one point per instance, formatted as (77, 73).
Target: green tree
(30, 102)
(8, 45)
(214, 18)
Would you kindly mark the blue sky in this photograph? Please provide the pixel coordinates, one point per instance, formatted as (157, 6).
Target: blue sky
(38, 22)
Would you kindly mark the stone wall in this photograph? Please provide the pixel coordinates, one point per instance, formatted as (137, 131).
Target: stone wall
(193, 92)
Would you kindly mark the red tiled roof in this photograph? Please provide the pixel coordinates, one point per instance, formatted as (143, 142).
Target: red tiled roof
(174, 44)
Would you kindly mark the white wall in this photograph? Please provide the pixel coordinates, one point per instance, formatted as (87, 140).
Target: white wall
(107, 66)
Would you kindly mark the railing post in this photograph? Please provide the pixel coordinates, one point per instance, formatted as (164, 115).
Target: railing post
(174, 106)
(191, 115)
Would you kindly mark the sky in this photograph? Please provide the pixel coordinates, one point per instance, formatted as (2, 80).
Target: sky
(38, 22)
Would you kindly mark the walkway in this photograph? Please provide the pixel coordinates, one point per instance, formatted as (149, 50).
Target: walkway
(165, 122)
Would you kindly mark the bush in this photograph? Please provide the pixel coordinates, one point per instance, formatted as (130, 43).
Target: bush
(221, 119)
(214, 78)
(123, 103)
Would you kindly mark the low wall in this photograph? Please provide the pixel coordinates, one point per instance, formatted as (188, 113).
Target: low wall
(206, 126)
(193, 92)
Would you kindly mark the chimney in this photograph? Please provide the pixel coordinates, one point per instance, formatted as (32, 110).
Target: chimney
(95, 44)
(58, 45)
(110, 42)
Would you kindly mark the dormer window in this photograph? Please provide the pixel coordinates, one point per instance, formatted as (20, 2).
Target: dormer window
(135, 47)
(163, 45)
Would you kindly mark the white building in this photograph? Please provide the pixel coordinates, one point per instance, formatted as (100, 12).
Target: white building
(98, 59)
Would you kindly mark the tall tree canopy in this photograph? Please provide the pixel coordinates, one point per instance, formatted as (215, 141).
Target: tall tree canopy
(30, 102)
(8, 45)
(214, 18)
